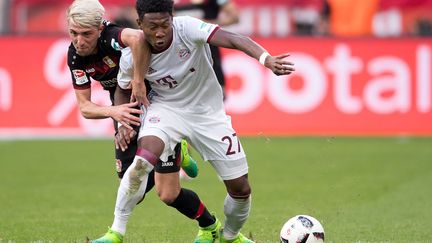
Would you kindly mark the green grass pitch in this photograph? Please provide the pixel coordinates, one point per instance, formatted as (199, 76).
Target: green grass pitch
(361, 189)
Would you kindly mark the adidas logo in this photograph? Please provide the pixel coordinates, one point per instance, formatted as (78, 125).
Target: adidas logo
(151, 70)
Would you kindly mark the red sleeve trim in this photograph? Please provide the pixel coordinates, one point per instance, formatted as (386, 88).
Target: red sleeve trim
(82, 87)
(212, 34)
(120, 39)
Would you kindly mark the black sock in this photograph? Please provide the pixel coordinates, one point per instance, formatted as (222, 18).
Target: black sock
(189, 204)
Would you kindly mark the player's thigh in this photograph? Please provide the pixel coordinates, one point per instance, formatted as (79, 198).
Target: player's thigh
(151, 143)
(230, 169)
(234, 174)
(165, 125)
(215, 139)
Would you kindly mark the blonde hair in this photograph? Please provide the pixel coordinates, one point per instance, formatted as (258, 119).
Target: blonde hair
(86, 13)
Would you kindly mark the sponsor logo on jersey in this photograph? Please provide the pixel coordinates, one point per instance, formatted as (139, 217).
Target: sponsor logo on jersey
(115, 45)
(80, 76)
(109, 83)
(90, 70)
(154, 119)
(108, 61)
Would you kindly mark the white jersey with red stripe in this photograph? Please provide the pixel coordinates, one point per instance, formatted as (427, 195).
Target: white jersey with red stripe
(187, 100)
(182, 76)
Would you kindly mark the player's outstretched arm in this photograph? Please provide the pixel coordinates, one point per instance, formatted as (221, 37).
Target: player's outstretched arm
(123, 114)
(141, 55)
(227, 39)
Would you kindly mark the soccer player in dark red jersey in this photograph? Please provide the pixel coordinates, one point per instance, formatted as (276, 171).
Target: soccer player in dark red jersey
(94, 54)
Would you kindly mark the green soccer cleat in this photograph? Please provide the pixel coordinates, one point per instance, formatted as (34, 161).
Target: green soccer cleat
(110, 237)
(239, 239)
(209, 234)
(188, 164)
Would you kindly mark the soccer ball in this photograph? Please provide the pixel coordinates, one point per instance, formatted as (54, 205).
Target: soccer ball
(302, 229)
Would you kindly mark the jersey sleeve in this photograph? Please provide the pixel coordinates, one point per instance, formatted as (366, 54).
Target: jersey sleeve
(80, 79)
(125, 74)
(111, 36)
(199, 31)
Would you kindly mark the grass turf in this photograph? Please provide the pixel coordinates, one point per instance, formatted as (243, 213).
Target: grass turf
(361, 189)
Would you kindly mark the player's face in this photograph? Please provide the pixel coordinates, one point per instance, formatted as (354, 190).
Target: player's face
(84, 39)
(157, 28)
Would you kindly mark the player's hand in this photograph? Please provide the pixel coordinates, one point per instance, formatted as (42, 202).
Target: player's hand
(123, 137)
(124, 114)
(278, 65)
(139, 93)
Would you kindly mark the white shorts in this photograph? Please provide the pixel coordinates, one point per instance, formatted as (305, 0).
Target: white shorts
(210, 133)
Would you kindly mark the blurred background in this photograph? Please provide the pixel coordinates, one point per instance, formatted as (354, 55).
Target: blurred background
(363, 68)
(271, 18)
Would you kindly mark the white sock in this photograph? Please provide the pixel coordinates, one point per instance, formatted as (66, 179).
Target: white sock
(236, 213)
(131, 190)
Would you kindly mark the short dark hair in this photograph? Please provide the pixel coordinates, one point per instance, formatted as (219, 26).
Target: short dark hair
(153, 6)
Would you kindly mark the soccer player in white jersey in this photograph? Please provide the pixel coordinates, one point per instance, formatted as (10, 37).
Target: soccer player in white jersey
(187, 103)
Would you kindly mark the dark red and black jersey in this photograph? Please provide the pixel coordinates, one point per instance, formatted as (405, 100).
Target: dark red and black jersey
(102, 66)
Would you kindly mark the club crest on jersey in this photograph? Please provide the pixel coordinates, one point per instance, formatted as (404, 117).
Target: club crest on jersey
(154, 119)
(80, 76)
(107, 60)
(183, 52)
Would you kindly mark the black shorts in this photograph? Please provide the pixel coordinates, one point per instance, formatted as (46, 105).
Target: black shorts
(125, 158)
(170, 166)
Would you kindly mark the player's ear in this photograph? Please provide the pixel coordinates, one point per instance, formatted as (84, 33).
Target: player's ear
(138, 22)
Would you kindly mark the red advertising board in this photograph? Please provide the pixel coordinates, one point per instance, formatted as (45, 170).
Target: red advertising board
(340, 87)
(351, 86)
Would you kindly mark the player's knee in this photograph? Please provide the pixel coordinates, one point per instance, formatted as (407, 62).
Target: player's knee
(167, 186)
(167, 196)
(239, 187)
(241, 193)
(151, 145)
